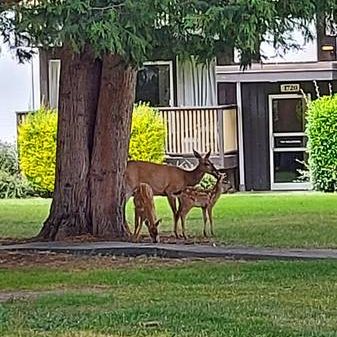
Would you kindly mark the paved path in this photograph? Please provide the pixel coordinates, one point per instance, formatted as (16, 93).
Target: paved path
(172, 250)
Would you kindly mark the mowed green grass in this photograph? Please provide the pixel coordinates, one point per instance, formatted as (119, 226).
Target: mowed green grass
(191, 299)
(275, 220)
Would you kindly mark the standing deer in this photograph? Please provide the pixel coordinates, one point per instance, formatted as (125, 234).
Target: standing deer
(202, 198)
(145, 211)
(166, 180)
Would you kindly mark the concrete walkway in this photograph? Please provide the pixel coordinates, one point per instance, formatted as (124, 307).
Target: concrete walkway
(172, 250)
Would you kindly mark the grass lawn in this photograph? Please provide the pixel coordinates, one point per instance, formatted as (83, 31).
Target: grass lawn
(276, 220)
(281, 299)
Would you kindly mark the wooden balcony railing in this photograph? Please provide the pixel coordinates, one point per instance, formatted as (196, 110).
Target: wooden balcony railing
(200, 128)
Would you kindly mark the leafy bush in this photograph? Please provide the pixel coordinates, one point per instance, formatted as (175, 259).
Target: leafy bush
(37, 143)
(12, 184)
(148, 135)
(37, 148)
(207, 181)
(322, 134)
(8, 158)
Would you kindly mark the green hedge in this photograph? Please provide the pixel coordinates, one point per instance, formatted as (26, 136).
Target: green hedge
(147, 140)
(322, 134)
(37, 148)
(37, 143)
(12, 183)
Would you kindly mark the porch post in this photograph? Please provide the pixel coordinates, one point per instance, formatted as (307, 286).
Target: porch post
(242, 184)
(220, 112)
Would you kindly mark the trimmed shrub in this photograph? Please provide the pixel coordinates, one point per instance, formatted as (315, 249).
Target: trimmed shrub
(37, 143)
(37, 148)
(12, 184)
(147, 135)
(322, 134)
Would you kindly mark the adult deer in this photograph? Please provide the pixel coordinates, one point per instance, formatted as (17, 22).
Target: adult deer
(166, 180)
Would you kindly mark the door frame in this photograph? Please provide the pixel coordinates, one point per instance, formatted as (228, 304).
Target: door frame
(283, 186)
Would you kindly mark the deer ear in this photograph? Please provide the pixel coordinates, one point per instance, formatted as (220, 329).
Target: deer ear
(207, 155)
(158, 222)
(196, 154)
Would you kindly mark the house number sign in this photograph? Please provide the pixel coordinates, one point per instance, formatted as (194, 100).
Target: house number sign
(290, 87)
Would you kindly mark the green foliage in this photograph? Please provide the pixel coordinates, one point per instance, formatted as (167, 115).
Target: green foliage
(8, 158)
(147, 140)
(37, 143)
(12, 184)
(322, 134)
(165, 27)
(37, 147)
(208, 181)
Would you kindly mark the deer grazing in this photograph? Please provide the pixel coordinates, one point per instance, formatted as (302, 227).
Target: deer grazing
(202, 198)
(166, 180)
(145, 212)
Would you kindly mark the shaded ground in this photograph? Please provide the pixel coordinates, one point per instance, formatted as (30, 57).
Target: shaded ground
(14, 260)
(165, 237)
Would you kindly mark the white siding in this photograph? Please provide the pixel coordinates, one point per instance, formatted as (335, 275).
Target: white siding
(16, 90)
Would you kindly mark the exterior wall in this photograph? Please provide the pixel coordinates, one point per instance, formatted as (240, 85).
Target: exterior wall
(19, 90)
(256, 129)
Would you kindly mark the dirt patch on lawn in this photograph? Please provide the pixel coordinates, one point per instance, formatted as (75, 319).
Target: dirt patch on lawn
(10, 296)
(20, 260)
(165, 237)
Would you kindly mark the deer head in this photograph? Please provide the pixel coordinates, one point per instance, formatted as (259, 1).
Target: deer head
(153, 230)
(224, 183)
(205, 164)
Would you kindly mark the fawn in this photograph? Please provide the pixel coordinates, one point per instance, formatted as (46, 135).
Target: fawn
(145, 212)
(202, 198)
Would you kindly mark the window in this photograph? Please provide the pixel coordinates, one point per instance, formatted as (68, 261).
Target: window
(155, 84)
(54, 82)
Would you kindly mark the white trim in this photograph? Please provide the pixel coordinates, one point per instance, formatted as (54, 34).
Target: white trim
(290, 149)
(281, 72)
(291, 186)
(242, 182)
(272, 149)
(289, 134)
(165, 63)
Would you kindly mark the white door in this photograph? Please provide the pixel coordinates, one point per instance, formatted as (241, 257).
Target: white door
(288, 142)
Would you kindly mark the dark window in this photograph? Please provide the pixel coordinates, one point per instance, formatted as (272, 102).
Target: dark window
(154, 85)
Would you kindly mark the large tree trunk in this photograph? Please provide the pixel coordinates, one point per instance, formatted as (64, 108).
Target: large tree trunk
(79, 90)
(111, 144)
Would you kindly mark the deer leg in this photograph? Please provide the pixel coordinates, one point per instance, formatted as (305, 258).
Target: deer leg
(182, 219)
(204, 215)
(128, 195)
(209, 211)
(136, 223)
(177, 216)
(139, 228)
(172, 202)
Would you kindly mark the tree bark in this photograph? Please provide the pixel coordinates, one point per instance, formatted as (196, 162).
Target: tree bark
(111, 144)
(79, 91)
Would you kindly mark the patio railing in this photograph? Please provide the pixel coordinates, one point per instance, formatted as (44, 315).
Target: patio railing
(200, 128)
